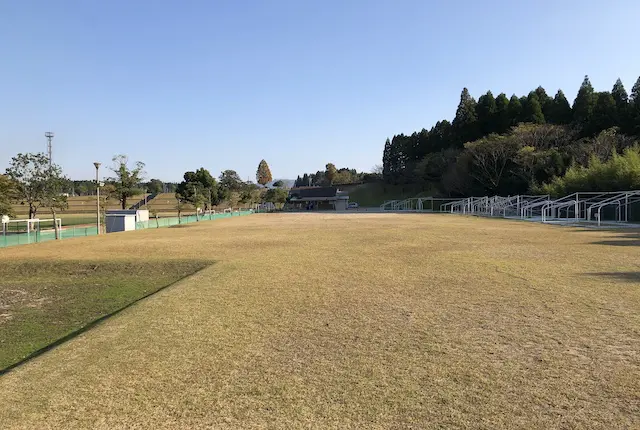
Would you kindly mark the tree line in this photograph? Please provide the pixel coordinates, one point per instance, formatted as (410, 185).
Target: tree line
(33, 181)
(502, 145)
(201, 190)
(334, 176)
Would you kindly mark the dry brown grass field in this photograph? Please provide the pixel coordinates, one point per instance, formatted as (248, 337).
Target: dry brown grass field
(351, 321)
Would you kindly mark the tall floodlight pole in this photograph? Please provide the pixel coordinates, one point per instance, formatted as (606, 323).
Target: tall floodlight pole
(49, 136)
(97, 195)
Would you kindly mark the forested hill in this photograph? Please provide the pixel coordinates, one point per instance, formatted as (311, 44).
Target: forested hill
(502, 145)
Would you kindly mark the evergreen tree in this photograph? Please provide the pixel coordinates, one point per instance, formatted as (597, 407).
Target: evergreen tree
(386, 161)
(622, 105)
(486, 110)
(396, 158)
(465, 123)
(561, 110)
(440, 135)
(515, 110)
(605, 113)
(546, 102)
(502, 121)
(305, 181)
(533, 110)
(263, 174)
(423, 145)
(634, 109)
(584, 103)
(620, 96)
(523, 113)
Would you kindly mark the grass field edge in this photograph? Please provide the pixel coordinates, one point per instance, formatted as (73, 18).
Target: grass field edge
(94, 323)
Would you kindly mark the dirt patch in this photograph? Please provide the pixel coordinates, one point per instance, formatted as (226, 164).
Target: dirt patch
(14, 298)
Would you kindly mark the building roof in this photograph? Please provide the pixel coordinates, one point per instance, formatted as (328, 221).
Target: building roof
(313, 192)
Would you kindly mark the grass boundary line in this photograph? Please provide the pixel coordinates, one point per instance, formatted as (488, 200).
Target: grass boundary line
(92, 324)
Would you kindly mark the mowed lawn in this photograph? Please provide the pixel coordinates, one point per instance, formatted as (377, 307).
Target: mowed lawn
(351, 321)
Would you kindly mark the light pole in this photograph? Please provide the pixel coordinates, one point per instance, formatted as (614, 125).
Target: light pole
(49, 136)
(97, 196)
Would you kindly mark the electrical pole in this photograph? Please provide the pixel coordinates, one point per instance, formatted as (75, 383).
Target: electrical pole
(49, 136)
(97, 196)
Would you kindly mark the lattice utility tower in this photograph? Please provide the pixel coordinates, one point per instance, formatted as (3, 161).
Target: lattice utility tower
(49, 136)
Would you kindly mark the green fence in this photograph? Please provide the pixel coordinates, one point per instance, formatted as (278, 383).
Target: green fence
(11, 239)
(170, 222)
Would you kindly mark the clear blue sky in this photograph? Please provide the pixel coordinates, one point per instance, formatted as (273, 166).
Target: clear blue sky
(222, 84)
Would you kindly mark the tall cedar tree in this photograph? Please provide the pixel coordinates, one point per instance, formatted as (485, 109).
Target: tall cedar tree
(502, 120)
(605, 114)
(546, 102)
(634, 109)
(386, 161)
(620, 96)
(486, 111)
(515, 110)
(561, 112)
(584, 103)
(465, 123)
(523, 114)
(440, 135)
(533, 110)
(263, 174)
(397, 156)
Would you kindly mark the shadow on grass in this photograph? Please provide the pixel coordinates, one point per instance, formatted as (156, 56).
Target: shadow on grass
(622, 238)
(621, 242)
(619, 276)
(619, 230)
(49, 303)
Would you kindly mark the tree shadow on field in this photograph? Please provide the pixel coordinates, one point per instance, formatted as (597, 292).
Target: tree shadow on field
(618, 242)
(621, 238)
(633, 277)
(44, 303)
(625, 230)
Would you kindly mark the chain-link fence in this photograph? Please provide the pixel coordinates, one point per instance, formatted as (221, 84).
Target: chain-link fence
(37, 236)
(169, 222)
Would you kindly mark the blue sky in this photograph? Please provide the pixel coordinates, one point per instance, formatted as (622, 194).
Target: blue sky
(222, 84)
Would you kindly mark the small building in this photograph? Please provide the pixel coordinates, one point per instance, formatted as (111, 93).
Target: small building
(115, 223)
(124, 220)
(140, 214)
(318, 198)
